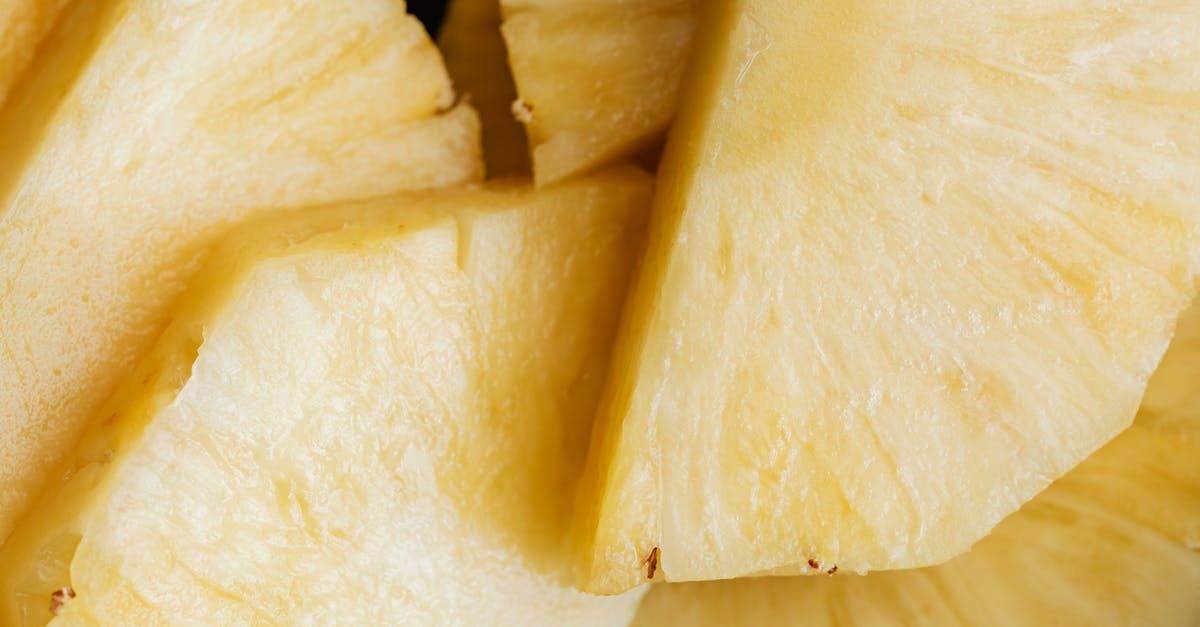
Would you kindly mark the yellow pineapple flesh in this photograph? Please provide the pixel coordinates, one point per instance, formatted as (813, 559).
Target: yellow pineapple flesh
(153, 128)
(1114, 542)
(372, 414)
(910, 262)
(597, 80)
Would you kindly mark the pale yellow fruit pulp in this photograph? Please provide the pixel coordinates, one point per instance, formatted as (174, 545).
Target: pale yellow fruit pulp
(910, 262)
(598, 80)
(155, 127)
(372, 414)
(1114, 542)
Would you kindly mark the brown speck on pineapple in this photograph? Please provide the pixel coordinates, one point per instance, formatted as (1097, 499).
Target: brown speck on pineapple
(651, 563)
(831, 570)
(814, 564)
(58, 599)
(522, 111)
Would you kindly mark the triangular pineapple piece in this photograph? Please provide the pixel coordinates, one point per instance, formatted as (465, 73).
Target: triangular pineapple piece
(178, 120)
(23, 24)
(911, 262)
(477, 61)
(1114, 542)
(597, 80)
(375, 423)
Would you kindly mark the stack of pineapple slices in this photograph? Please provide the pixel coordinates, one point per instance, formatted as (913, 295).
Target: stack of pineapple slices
(340, 424)
(907, 264)
(149, 128)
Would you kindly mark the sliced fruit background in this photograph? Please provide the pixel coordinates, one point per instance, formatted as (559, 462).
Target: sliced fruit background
(1114, 542)
(387, 402)
(598, 80)
(155, 126)
(911, 261)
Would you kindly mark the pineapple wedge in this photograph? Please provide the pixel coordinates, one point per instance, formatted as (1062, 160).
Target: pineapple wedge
(478, 63)
(909, 263)
(23, 24)
(155, 128)
(1114, 542)
(370, 415)
(597, 80)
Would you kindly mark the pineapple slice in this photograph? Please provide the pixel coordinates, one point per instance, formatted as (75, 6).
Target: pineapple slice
(157, 126)
(376, 423)
(478, 63)
(23, 24)
(910, 263)
(1114, 542)
(597, 80)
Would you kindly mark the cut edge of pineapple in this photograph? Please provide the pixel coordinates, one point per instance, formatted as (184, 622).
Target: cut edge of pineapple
(635, 547)
(606, 571)
(1153, 459)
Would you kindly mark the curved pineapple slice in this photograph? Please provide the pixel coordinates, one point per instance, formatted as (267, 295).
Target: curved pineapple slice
(912, 261)
(477, 61)
(1114, 542)
(23, 24)
(371, 415)
(597, 80)
(162, 124)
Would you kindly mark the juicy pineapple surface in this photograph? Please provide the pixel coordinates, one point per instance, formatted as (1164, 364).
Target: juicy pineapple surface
(597, 80)
(372, 414)
(477, 61)
(1114, 542)
(23, 24)
(910, 262)
(151, 129)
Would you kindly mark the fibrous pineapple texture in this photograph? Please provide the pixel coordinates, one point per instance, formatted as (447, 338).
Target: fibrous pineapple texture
(373, 414)
(597, 80)
(156, 128)
(911, 261)
(1114, 542)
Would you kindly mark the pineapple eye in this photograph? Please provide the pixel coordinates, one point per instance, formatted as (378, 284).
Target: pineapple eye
(522, 111)
(651, 563)
(59, 598)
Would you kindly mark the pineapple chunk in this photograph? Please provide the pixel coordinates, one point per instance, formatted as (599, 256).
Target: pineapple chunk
(373, 414)
(1111, 543)
(911, 262)
(597, 80)
(23, 24)
(159, 126)
(478, 63)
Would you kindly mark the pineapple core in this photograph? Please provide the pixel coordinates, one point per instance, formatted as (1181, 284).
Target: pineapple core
(373, 414)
